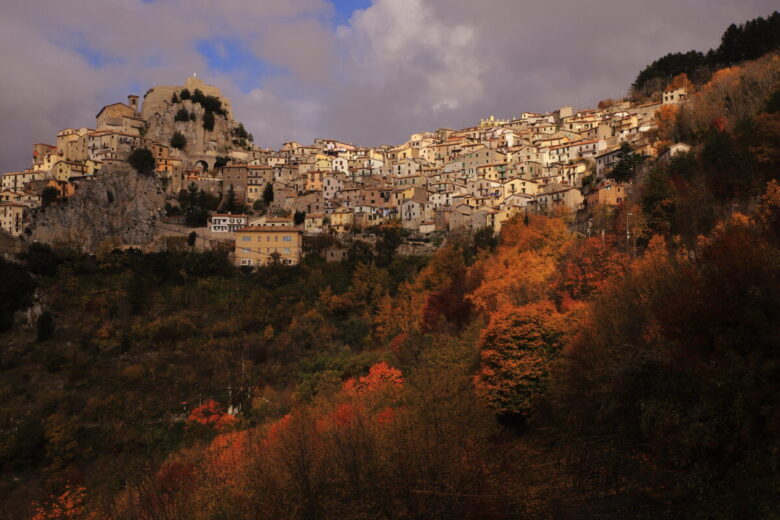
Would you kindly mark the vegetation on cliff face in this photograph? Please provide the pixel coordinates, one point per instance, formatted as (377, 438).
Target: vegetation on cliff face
(142, 161)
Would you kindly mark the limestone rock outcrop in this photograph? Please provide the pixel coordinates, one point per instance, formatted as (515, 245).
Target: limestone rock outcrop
(117, 206)
(159, 112)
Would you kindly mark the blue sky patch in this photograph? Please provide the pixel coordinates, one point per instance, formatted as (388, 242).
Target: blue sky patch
(345, 8)
(228, 56)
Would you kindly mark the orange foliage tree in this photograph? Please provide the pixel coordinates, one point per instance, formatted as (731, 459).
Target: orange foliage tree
(211, 414)
(681, 81)
(523, 265)
(589, 263)
(67, 506)
(666, 122)
(606, 103)
(516, 349)
(435, 299)
(380, 376)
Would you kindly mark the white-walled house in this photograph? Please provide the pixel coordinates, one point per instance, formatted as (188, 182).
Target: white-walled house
(226, 222)
(340, 164)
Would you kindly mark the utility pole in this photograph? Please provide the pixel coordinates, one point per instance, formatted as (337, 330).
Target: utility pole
(628, 233)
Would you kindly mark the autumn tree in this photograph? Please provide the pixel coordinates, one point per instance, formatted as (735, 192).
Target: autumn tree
(69, 505)
(768, 213)
(587, 266)
(523, 265)
(675, 358)
(666, 122)
(681, 81)
(62, 440)
(212, 415)
(516, 350)
(369, 285)
(606, 103)
(379, 376)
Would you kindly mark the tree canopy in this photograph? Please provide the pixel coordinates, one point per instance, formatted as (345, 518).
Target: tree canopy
(178, 140)
(142, 160)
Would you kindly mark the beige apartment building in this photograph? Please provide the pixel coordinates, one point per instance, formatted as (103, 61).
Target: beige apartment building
(12, 218)
(257, 246)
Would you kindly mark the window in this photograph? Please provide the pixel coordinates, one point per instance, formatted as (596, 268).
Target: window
(246, 238)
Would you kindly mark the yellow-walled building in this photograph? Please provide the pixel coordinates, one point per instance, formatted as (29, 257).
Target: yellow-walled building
(257, 245)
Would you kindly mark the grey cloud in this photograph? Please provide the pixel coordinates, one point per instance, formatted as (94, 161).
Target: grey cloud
(45, 87)
(520, 56)
(397, 67)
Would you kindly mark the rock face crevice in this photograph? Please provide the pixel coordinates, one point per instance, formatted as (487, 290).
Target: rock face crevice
(118, 205)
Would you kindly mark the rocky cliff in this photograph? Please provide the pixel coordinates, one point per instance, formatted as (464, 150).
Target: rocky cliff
(159, 110)
(161, 126)
(117, 206)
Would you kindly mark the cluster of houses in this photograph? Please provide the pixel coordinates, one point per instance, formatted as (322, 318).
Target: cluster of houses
(444, 180)
(79, 154)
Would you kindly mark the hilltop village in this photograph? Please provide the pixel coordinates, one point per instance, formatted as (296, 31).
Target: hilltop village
(261, 203)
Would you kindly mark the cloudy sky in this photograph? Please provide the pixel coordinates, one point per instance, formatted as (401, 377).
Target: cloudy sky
(366, 71)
